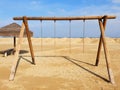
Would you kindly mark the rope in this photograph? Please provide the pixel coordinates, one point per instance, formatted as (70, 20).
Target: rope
(83, 36)
(41, 36)
(69, 36)
(54, 36)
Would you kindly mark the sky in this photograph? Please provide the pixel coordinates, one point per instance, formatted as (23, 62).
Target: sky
(14, 8)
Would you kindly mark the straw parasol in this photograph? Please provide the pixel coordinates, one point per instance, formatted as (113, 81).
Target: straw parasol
(12, 30)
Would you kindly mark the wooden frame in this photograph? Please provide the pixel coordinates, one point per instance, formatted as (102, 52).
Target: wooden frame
(65, 18)
(102, 23)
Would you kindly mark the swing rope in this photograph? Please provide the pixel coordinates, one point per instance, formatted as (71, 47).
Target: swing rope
(54, 36)
(69, 36)
(83, 36)
(41, 35)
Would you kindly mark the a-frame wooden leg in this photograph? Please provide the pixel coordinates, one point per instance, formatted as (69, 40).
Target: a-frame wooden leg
(15, 63)
(29, 38)
(110, 74)
(98, 52)
(100, 42)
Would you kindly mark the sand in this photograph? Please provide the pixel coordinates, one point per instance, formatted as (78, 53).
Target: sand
(58, 67)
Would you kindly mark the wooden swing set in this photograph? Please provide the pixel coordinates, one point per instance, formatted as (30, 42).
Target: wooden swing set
(102, 24)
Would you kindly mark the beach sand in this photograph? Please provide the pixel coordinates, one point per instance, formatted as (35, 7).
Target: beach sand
(59, 67)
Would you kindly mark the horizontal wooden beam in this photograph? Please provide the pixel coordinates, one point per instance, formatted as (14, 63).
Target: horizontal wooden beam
(66, 18)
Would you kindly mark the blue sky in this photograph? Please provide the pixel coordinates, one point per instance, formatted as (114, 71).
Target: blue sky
(12, 8)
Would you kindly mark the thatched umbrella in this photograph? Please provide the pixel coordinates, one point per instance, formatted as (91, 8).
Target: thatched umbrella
(12, 30)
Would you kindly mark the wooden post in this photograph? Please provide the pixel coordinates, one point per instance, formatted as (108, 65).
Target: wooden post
(15, 63)
(100, 42)
(14, 41)
(14, 44)
(110, 74)
(29, 38)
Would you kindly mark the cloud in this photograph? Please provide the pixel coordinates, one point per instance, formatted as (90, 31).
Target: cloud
(116, 1)
(84, 11)
(116, 8)
(34, 5)
(6, 22)
(38, 8)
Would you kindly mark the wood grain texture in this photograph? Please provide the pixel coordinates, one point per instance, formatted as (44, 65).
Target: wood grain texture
(15, 62)
(65, 18)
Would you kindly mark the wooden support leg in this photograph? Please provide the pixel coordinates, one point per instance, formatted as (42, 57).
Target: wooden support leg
(14, 42)
(29, 38)
(100, 42)
(99, 50)
(15, 63)
(110, 74)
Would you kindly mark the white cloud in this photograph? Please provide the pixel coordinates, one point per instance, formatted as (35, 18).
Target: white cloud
(6, 22)
(116, 1)
(34, 5)
(34, 2)
(116, 8)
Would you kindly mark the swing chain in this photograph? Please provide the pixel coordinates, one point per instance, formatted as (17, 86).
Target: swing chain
(83, 35)
(55, 37)
(69, 36)
(41, 36)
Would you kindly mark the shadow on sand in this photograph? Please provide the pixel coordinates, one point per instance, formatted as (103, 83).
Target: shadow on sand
(74, 61)
(12, 51)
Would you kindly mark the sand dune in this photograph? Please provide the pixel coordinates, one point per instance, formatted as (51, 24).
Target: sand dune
(60, 65)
